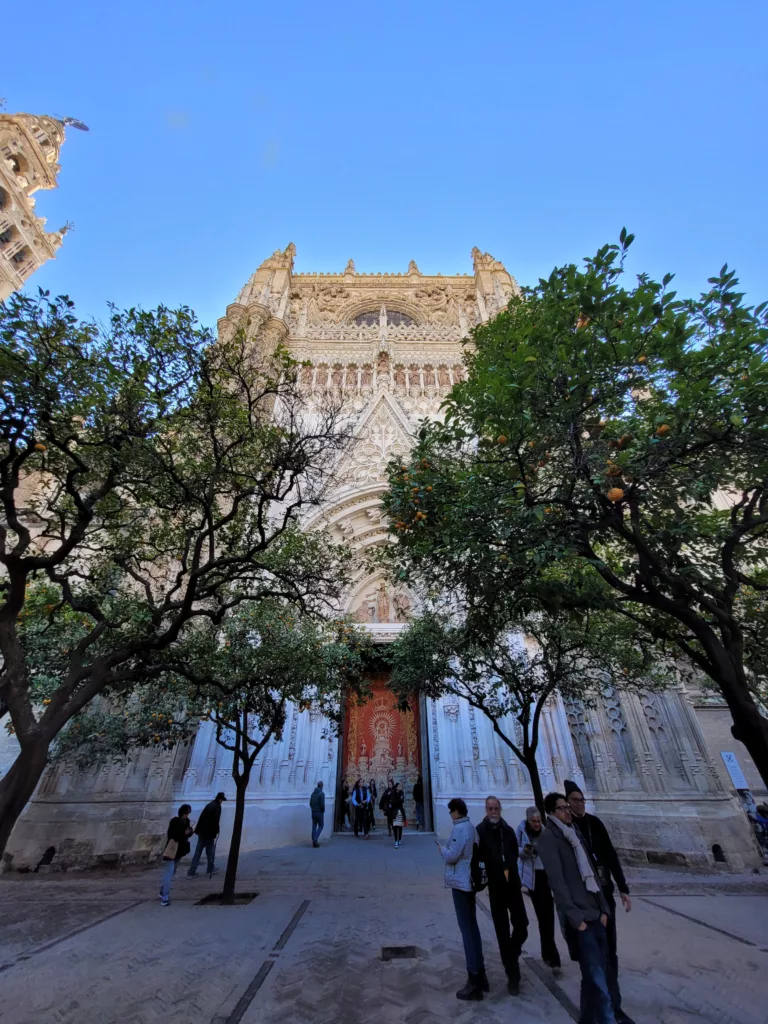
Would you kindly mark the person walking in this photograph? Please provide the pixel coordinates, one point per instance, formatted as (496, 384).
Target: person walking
(498, 850)
(361, 797)
(384, 804)
(207, 832)
(372, 805)
(533, 877)
(317, 807)
(418, 799)
(457, 857)
(580, 901)
(176, 847)
(595, 835)
(397, 810)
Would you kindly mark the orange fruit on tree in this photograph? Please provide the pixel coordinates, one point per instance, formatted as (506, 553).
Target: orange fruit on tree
(501, 439)
(615, 494)
(663, 430)
(39, 447)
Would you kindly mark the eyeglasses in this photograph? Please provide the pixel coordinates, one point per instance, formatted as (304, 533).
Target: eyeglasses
(562, 807)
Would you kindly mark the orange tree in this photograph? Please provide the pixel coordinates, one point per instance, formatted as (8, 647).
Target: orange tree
(627, 429)
(510, 664)
(243, 676)
(149, 478)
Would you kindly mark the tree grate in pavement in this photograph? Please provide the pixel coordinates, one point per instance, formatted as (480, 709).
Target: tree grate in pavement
(399, 952)
(216, 899)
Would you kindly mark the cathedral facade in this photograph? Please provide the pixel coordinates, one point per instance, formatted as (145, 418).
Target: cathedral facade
(392, 345)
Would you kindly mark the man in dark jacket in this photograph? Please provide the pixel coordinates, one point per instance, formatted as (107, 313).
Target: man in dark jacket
(207, 832)
(579, 899)
(384, 804)
(498, 850)
(317, 807)
(595, 835)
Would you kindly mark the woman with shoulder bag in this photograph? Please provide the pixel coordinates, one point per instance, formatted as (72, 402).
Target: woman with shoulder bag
(176, 847)
(457, 857)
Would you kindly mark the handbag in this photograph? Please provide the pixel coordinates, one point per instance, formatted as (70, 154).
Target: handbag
(171, 849)
(477, 871)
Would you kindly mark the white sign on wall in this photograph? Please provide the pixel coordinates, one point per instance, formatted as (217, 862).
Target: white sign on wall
(734, 770)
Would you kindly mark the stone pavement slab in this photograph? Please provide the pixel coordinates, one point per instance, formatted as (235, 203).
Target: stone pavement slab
(100, 949)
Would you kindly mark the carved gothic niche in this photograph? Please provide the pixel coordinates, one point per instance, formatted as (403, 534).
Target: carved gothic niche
(459, 373)
(379, 602)
(451, 709)
(619, 736)
(580, 733)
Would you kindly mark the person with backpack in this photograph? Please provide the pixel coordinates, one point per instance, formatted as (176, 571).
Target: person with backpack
(207, 832)
(176, 847)
(397, 810)
(499, 852)
(457, 856)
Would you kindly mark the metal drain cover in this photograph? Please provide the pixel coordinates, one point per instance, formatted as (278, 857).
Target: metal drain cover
(398, 952)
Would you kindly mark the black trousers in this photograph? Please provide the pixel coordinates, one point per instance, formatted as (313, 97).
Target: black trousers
(361, 820)
(507, 908)
(544, 906)
(612, 966)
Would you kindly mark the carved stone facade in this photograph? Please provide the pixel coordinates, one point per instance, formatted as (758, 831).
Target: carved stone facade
(29, 154)
(391, 345)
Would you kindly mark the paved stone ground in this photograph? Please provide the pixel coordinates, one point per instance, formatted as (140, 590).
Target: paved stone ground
(98, 948)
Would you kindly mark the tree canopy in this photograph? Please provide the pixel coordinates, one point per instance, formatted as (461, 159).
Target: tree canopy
(625, 428)
(149, 478)
(243, 676)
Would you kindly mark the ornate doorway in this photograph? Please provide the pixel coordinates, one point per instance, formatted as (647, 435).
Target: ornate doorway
(380, 743)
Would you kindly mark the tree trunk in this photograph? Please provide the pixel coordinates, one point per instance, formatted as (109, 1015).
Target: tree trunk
(538, 792)
(751, 728)
(18, 785)
(228, 895)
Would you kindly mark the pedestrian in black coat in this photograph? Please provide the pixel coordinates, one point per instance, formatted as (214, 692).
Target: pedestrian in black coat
(499, 851)
(207, 832)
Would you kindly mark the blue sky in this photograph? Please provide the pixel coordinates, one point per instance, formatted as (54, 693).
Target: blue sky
(390, 132)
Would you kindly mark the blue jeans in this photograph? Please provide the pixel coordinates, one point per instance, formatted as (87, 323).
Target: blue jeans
(466, 914)
(318, 820)
(209, 845)
(169, 870)
(593, 961)
(420, 815)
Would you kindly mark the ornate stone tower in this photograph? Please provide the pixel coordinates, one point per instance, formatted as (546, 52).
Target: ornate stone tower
(29, 153)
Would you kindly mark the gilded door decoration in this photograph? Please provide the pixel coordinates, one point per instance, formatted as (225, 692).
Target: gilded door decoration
(381, 743)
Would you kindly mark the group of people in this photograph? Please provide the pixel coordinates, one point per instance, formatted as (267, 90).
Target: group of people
(358, 808)
(568, 863)
(177, 845)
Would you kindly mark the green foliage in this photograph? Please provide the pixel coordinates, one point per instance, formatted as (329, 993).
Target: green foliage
(151, 480)
(241, 675)
(621, 427)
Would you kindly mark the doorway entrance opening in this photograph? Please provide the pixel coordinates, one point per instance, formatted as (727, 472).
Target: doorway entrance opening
(380, 742)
